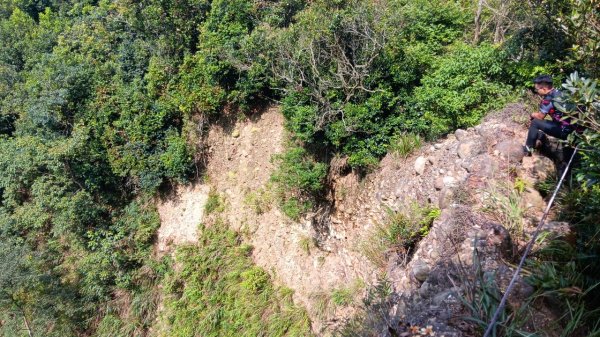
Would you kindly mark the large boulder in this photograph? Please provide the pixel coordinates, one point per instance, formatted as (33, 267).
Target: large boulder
(482, 165)
(468, 149)
(461, 134)
(543, 167)
(531, 198)
(511, 149)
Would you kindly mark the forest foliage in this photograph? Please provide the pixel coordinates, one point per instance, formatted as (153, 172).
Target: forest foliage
(103, 103)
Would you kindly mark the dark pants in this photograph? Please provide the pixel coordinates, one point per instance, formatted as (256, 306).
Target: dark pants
(550, 128)
(559, 153)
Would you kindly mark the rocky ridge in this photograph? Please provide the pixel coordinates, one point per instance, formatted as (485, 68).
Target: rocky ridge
(321, 253)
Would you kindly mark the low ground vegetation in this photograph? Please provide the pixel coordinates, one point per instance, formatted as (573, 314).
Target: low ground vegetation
(216, 291)
(399, 234)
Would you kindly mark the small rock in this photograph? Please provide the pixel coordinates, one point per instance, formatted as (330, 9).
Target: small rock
(424, 290)
(445, 199)
(466, 257)
(489, 133)
(438, 146)
(399, 192)
(477, 234)
(446, 296)
(421, 271)
(467, 165)
(461, 134)
(483, 165)
(439, 183)
(420, 165)
(235, 133)
(559, 227)
(500, 237)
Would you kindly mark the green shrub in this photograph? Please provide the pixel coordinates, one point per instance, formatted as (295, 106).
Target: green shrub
(357, 109)
(294, 208)
(298, 180)
(461, 87)
(298, 172)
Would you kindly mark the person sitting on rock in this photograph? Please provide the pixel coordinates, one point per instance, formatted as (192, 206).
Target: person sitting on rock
(557, 126)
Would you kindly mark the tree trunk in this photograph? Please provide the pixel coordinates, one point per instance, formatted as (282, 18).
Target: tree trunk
(477, 32)
(499, 31)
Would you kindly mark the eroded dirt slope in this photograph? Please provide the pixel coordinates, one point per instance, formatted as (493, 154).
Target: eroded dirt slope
(239, 167)
(180, 214)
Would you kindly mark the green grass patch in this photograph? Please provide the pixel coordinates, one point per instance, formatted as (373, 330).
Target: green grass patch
(400, 232)
(261, 200)
(214, 203)
(306, 243)
(218, 291)
(504, 203)
(405, 144)
(293, 208)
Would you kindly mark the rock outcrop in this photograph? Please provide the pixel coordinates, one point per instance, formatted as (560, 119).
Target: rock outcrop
(322, 252)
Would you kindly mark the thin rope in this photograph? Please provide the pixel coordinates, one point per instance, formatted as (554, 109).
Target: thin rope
(494, 320)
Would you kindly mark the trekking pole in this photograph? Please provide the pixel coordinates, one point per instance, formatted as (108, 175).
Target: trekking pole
(494, 319)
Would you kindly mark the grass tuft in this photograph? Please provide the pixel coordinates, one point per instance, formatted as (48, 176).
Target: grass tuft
(399, 233)
(214, 203)
(405, 144)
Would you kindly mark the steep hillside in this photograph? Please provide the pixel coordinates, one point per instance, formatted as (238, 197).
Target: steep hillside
(126, 124)
(460, 180)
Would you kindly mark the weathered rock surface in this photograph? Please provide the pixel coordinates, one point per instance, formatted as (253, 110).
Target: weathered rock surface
(469, 148)
(511, 149)
(420, 165)
(421, 271)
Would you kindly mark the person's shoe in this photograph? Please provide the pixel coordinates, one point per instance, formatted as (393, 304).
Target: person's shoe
(527, 150)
